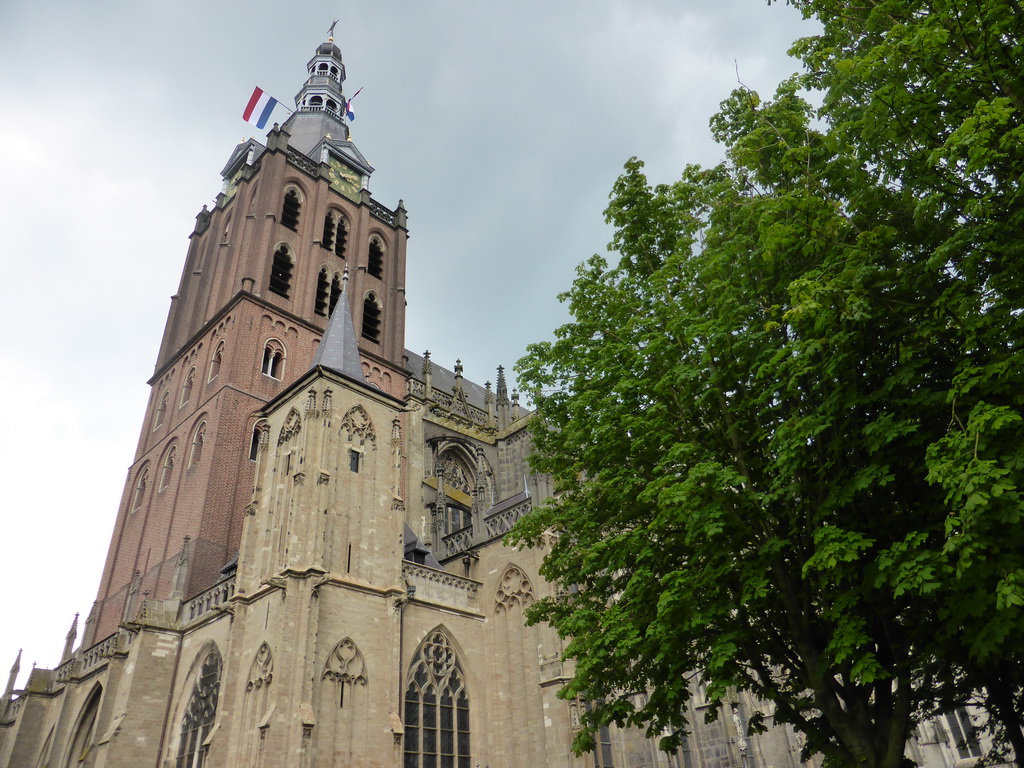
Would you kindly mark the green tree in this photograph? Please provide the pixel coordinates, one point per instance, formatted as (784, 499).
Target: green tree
(930, 97)
(786, 426)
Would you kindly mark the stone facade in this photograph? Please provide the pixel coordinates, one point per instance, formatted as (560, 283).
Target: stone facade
(307, 566)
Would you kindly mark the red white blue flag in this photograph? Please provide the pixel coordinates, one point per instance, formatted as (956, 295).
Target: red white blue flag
(258, 110)
(349, 112)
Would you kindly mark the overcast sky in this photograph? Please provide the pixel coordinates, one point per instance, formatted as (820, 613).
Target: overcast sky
(501, 125)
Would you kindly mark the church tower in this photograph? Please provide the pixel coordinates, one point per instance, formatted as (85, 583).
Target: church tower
(262, 275)
(307, 567)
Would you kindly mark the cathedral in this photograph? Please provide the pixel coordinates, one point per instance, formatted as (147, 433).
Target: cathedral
(306, 567)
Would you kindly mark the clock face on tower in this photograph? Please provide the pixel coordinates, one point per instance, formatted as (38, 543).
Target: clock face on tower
(343, 179)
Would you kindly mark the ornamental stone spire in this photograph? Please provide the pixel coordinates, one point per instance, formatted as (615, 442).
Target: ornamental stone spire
(13, 676)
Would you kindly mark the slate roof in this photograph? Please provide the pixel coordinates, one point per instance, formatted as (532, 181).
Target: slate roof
(338, 350)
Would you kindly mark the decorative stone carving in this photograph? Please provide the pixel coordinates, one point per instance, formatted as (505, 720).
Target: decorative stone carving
(261, 672)
(356, 423)
(455, 473)
(501, 523)
(345, 664)
(514, 588)
(292, 427)
(457, 542)
(438, 656)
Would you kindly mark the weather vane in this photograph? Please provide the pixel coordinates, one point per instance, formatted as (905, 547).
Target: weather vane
(330, 32)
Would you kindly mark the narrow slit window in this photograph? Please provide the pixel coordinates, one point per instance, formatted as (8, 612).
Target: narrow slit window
(353, 460)
(254, 444)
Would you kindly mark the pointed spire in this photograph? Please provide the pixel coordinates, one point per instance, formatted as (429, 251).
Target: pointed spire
(181, 570)
(428, 383)
(14, 674)
(492, 416)
(458, 376)
(502, 388)
(501, 412)
(338, 350)
(69, 640)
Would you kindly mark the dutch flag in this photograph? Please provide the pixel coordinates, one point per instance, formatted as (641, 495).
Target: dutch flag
(258, 110)
(349, 112)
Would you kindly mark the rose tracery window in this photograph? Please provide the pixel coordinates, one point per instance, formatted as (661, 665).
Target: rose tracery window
(455, 474)
(436, 708)
(199, 717)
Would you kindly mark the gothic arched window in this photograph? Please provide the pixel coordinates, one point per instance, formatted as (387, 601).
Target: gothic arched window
(273, 359)
(199, 716)
(195, 454)
(161, 411)
(290, 209)
(186, 387)
(375, 259)
(436, 707)
(281, 272)
(82, 743)
(167, 468)
(215, 361)
(371, 319)
(140, 489)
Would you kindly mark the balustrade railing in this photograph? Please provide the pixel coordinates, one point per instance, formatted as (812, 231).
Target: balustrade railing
(301, 161)
(382, 213)
(501, 522)
(94, 655)
(206, 601)
(457, 542)
(441, 586)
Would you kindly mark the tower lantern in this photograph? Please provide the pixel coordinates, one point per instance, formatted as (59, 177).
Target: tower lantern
(320, 103)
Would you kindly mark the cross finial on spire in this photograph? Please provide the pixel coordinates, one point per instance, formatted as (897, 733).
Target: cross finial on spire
(330, 32)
